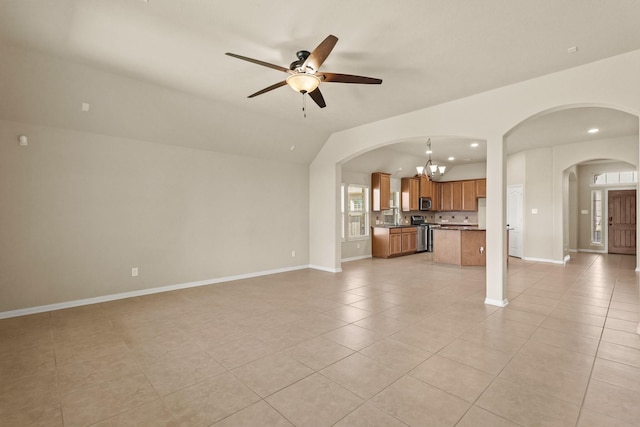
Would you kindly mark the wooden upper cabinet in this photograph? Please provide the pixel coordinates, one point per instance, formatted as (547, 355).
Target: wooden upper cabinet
(426, 187)
(446, 196)
(381, 191)
(435, 198)
(456, 191)
(481, 187)
(469, 198)
(410, 192)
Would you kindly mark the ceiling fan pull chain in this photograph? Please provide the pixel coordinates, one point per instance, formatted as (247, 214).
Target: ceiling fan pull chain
(304, 104)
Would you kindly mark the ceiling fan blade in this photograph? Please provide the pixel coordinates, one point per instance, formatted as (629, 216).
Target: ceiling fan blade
(256, 61)
(320, 53)
(316, 95)
(267, 89)
(349, 78)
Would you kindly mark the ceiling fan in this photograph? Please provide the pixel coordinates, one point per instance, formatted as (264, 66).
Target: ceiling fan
(304, 75)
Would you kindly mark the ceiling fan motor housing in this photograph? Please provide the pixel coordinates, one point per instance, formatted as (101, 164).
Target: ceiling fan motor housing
(302, 56)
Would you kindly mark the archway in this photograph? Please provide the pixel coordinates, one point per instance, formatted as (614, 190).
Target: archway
(546, 165)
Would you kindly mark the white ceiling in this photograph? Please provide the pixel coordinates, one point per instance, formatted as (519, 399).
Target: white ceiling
(156, 70)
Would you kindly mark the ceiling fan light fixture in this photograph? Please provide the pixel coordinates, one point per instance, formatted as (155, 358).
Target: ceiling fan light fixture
(303, 82)
(441, 169)
(420, 169)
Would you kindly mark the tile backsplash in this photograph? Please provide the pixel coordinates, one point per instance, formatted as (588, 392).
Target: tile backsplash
(451, 217)
(438, 217)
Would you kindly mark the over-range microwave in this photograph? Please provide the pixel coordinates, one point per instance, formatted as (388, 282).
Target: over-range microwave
(425, 203)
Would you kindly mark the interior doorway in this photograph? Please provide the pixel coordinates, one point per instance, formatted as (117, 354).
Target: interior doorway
(622, 221)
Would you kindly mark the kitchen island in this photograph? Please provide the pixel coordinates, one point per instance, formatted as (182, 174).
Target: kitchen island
(460, 246)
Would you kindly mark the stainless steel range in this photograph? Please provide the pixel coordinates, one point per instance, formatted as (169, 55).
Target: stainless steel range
(425, 234)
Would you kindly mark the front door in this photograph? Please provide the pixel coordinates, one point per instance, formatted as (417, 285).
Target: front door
(622, 222)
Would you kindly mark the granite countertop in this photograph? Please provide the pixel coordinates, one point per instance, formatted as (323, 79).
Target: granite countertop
(454, 224)
(393, 225)
(461, 227)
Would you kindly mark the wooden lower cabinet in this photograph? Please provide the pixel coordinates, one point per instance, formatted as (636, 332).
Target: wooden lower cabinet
(387, 242)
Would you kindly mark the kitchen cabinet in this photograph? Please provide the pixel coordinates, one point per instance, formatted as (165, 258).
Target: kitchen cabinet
(410, 192)
(388, 242)
(469, 198)
(409, 240)
(458, 196)
(381, 191)
(426, 187)
(435, 198)
(446, 196)
(451, 196)
(481, 187)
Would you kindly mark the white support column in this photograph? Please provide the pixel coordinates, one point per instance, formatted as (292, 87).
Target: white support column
(638, 232)
(496, 274)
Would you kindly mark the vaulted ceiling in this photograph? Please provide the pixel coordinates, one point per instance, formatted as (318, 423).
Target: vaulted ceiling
(156, 70)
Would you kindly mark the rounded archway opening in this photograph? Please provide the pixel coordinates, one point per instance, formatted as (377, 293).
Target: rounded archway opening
(554, 155)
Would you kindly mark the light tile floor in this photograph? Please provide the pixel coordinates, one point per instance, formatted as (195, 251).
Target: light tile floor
(384, 343)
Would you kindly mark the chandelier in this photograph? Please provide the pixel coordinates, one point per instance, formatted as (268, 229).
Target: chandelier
(430, 169)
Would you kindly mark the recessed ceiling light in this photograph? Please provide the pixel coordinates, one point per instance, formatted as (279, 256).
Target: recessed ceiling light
(474, 144)
(467, 159)
(428, 152)
(451, 159)
(593, 130)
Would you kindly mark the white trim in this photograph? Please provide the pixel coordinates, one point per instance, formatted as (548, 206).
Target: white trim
(496, 302)
(356, 258)
(593, 251)
(549, 261)
(327, 269)
(123, 295)
(567, 258)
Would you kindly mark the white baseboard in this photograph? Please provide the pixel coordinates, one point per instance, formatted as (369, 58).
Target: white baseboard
(141, 292)
(545, 260)
(327, 269)
(593, 251)
(356, 258)
(496, 302)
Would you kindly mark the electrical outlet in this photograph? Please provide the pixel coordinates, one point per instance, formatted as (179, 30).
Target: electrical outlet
(358, 245)
(134, 272)
(293, 254)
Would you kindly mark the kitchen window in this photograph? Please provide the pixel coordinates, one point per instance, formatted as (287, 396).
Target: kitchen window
(355, 211)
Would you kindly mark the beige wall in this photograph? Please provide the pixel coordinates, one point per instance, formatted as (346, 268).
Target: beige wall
(80, 210)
